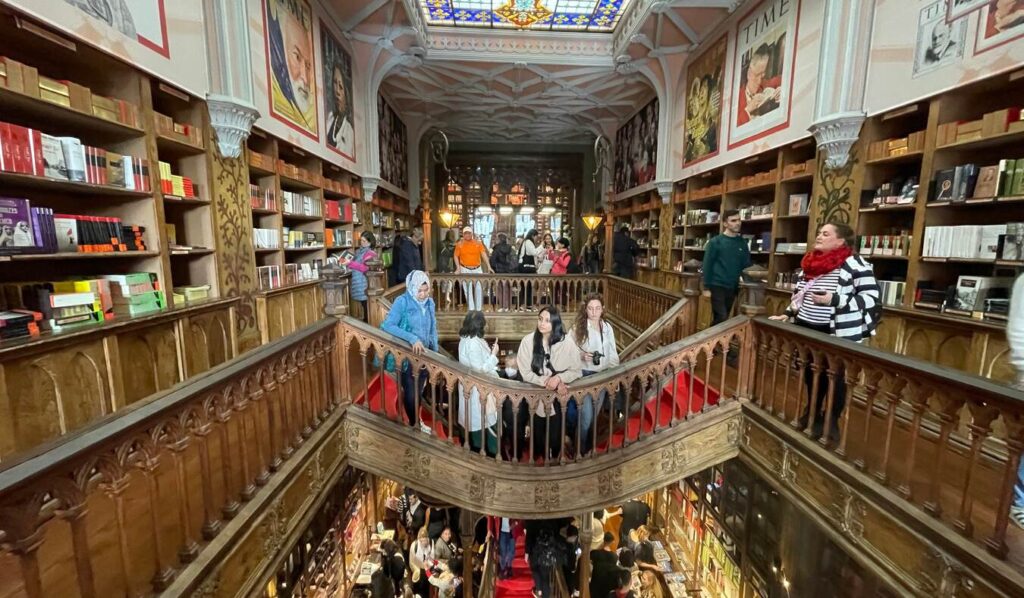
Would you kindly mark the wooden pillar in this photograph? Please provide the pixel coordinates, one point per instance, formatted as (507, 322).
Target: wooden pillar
(428, 233)
(375, 283)
(609, 234)
(586, 537)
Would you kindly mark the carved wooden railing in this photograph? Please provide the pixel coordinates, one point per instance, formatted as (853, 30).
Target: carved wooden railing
(640, 390)
(946, 442)
(637, 304)
(489, 577)
(514, 292)
(677, 323)
(118, 507)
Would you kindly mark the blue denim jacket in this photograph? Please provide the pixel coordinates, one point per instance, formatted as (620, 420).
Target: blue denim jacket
(410, 322)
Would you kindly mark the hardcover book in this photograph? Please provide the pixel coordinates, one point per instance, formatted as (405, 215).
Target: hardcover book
(944, 185)
(54, 165)
(15, 225)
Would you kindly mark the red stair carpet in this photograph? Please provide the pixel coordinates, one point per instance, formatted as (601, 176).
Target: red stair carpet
(520, 585)
(686, 401)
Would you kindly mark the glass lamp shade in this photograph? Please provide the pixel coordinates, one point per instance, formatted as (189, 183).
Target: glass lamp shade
(591, 221)
(448, 218)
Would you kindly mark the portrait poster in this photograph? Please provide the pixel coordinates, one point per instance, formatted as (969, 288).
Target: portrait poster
(960, 8)
(703, 122)
(288, 28)
(141, 20)
(1001, 22)
(394, 158)
(939, 43)
(763, 71)
(636, 149)
(337, 88)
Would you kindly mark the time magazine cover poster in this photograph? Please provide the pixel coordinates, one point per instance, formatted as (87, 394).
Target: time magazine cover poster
(1000, 22)
(939, 43)
(763, 70)
(289, 33)
(703, 123)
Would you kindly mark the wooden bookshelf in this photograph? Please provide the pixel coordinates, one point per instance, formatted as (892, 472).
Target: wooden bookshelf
(277, 167)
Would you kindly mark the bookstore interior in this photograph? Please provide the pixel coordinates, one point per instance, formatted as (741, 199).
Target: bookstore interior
(184, 187)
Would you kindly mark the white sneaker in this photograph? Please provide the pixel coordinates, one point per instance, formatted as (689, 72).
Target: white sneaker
(1017, 516)
(425, 429)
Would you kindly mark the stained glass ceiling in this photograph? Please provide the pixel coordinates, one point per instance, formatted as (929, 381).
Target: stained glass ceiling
(540, 15)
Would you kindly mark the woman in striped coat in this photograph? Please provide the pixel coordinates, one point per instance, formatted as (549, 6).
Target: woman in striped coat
(837, 295)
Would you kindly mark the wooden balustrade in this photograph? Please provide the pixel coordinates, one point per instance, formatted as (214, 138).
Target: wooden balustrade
(116, 508)
(677, 323)
(533, 425)
(513, 292)
(947, 442)
(637, 304)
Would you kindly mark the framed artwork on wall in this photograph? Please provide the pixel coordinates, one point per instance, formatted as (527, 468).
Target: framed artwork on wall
(337, 89)
(636, 149)
(288, 36)
(764, 61)
(394, 160)
(939, 43)
(999, 23)
(705, 77)
(142, 20)
(960, 8)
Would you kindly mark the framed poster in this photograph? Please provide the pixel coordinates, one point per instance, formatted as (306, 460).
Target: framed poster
(939, 43)
(765, 57)
(1000, 22)
(142, 20)
(636, 149)
(337, 85)
(288, 33)
(394, 159)
(703, 122)
(959, 8)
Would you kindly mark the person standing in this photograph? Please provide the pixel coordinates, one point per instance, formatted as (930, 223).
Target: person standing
(412, 318)
(471, 258)
(503, 261)
(546, 555)
(357, 265)
(508, 531)
(836, 295)
(725, 257)
(1015, 338)
(477, 355)
(624, 251)
(592, 256)
(407, 254)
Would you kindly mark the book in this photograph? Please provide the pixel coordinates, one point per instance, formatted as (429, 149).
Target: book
(1005, 177)
(944, 185)
(74, 158)
(798, 203)
(54, 165)
(16, 231)
(971, 292)
(987, 184)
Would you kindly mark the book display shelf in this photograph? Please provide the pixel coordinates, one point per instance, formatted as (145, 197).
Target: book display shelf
(643, 214)
(387, 216)
(105, 187)
(304, 209)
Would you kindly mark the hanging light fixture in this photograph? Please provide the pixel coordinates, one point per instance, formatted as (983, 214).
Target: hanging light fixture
(592, 220)
(448, 217)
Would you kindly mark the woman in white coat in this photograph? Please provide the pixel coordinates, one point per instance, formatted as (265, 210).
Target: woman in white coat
(477, 355)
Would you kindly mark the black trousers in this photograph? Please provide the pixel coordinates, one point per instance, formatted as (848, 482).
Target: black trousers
(722, 300)
(548, 429)
(821, 397)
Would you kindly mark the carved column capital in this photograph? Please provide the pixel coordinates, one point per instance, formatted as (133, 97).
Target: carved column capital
(665, 189)
(370, 185)
(231, 119)
(835, 136)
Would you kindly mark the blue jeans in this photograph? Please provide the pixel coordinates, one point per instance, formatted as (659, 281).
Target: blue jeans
(409, 391)
(589, 408)
(506, 551)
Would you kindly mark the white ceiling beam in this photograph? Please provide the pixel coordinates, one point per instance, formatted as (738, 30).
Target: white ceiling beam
(726, 4)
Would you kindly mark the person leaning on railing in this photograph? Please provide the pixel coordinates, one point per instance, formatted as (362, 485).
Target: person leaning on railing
(595, 338)
(547, 358)
(836, 295)
(412, 318)
(1015, 338)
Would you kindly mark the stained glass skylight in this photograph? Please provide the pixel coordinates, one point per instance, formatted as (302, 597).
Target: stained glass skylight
(537, 15)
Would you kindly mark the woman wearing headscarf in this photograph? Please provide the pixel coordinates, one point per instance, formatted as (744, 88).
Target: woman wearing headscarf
(357, 265)
(412, 318)
(836, 295)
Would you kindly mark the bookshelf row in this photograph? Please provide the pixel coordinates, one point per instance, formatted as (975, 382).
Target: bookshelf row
(305, 210)
(937, 202)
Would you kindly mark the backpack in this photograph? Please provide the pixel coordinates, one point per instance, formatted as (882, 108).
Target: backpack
(574, 267)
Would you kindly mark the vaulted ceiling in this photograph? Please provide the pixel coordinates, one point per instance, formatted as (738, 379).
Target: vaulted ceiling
(500, 84)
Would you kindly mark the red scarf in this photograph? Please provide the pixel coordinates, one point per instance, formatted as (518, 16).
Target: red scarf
(816, 263)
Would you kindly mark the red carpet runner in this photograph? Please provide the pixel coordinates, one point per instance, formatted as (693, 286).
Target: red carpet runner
(520, 585)
(686, 401)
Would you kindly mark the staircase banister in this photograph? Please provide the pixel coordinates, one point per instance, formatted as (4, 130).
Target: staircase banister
(653, 329)
(933, 373)
(64, 452)
(644, 286)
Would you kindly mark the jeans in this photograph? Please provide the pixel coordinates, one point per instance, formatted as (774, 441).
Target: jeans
(588, 410)
(1018, 488)
(506, 551)
(722, 299)
(409, 391)
(473, 291)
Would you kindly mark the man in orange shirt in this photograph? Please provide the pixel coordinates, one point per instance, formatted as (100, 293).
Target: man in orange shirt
(471, 258)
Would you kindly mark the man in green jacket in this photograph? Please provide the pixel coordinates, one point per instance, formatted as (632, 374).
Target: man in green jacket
(725, 257)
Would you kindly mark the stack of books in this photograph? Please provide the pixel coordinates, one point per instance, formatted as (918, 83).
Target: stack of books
(173, 184)
(896, 243)
(295, 239)
(19, 323)
(891, 291)
(262, 199)
(338, 237)
(701, 217)
(336, 210)
(300, 205)
(191, 294)
(28, 229)
(970, 241)
(135, 294)
(266, 238)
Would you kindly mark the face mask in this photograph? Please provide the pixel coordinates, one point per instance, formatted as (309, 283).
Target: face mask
(510, 372)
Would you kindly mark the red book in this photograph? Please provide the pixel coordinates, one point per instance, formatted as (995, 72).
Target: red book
(6, 155)
(19, 144)
(101, 165)
(36, 147)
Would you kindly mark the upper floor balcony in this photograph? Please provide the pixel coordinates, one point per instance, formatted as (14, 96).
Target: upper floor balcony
(909, 465)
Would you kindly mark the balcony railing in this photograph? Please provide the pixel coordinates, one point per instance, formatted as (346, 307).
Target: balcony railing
(116, 508)
(533, 426)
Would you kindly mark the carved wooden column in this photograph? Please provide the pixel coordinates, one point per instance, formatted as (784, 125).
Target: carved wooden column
(586, 537)
(428, 233)
(609, 235)
(374, 289)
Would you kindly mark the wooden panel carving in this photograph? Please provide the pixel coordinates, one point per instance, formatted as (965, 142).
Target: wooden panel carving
(149, 361)
(704, 315)
(871, 532)
(375, 445)
(207, 341)
(279, 316)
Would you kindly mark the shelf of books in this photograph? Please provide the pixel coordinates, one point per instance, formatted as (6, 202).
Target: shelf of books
(304, 210)
(99, 164)
(387, 216)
